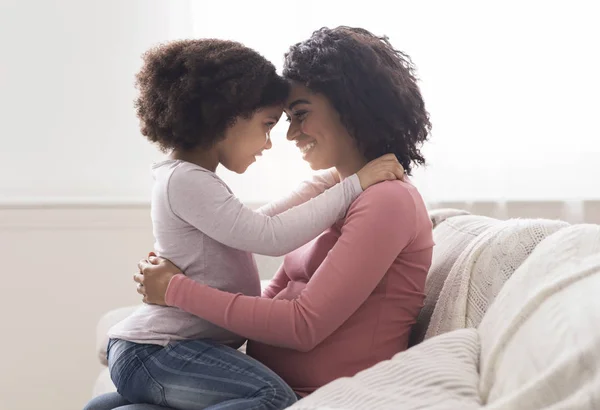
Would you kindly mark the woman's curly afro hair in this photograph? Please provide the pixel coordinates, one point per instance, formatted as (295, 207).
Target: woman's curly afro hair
(190, 91)
(372, 86)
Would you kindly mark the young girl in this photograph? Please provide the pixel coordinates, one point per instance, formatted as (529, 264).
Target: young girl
(212, 102)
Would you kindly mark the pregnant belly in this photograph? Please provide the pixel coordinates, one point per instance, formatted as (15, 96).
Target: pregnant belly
(292, 291)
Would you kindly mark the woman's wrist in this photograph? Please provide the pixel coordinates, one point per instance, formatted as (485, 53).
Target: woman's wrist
(173, 289)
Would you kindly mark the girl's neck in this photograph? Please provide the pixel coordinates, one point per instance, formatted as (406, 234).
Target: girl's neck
(206, 158)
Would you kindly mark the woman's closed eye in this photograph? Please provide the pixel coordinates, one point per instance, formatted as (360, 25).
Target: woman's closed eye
(300, 115)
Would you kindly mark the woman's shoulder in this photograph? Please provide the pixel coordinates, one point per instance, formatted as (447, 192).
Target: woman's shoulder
(398, 201)
(397, 208)
(391, 193)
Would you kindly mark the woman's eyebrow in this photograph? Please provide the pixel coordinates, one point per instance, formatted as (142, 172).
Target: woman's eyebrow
(297, 102)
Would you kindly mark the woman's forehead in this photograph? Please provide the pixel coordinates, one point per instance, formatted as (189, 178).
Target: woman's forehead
(298, 92)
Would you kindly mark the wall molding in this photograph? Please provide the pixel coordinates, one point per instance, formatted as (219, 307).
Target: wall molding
(64, 214)
(82, 203)
(73, 202)
(126, 214)
(75, 218)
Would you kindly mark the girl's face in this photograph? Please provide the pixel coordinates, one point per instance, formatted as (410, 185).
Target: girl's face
(247, 138)
(318, 132)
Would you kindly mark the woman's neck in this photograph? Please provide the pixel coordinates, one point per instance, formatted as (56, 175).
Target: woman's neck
(207, 159)
(350, 164)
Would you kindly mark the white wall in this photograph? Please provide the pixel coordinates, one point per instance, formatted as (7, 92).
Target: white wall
(69, 135)
(512, 87)
(62, 268)
(69, 129)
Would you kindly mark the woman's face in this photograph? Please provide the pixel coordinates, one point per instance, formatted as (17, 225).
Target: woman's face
(317, 130)
(247, 138)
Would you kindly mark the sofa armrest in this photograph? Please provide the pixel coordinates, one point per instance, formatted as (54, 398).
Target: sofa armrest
(103, 384)
(438, 216)
(107, 321)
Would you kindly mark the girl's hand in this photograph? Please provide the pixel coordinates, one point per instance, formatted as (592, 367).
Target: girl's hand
(153, 279)
(384, 168)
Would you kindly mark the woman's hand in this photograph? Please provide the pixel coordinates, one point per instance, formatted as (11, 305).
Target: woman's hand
(153, 279)
(384, 168)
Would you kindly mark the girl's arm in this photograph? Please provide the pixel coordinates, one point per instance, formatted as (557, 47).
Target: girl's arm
(305, 191)
(201, 199)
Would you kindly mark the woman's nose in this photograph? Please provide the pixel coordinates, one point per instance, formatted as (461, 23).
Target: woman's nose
(293, 131)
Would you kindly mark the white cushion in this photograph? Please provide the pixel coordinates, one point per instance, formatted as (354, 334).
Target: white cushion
(438, 216)
(540, 344)
(440, 373)
(107, 321)
(451, 237)
(103, 384)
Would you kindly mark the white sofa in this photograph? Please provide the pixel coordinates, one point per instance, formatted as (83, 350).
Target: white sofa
(510, 322)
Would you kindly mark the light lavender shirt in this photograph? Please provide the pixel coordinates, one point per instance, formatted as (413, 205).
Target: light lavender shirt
(204, 229)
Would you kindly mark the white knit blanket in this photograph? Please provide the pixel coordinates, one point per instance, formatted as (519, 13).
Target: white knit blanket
(482, 269)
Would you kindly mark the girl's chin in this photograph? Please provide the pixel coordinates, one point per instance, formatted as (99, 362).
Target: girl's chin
(240, 169)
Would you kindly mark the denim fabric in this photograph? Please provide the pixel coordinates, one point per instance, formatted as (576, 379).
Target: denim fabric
(190, 375)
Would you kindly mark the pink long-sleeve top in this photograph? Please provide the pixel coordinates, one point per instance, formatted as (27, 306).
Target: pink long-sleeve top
(338, 304)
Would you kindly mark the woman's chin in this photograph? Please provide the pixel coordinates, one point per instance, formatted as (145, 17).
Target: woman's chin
(316, 163)
(313, 165)
(316, 166)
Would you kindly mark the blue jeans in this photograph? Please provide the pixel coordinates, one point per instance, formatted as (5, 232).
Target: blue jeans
(190, 375)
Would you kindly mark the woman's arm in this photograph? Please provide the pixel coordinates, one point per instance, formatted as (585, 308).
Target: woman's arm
(305, 191)
(378, 226)
(277, 284)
